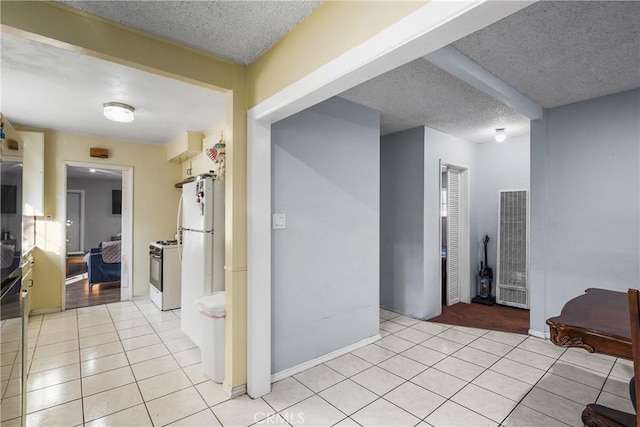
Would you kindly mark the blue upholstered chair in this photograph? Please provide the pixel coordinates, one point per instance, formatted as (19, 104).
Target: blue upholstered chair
(100, 271)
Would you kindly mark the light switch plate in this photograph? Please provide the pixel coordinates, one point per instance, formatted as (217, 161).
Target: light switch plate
(279, 221)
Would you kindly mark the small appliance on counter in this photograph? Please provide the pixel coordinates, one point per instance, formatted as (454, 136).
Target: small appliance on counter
(165, 274)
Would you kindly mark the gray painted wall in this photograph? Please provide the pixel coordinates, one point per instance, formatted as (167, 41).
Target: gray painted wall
(402, 222)
(585, 190)
(410, 188)
(502, 166)
(100, 224)
(455, 152)
(326, 179)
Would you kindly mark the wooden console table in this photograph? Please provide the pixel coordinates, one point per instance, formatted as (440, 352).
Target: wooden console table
(598, 322)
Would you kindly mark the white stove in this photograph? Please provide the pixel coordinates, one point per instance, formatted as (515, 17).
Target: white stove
(164, 244)
(164, 274)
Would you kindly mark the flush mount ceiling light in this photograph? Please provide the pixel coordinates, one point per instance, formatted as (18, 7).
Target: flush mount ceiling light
(118, 112)
(501, 135)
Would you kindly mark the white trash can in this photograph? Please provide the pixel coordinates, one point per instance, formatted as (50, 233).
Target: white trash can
(213, 311)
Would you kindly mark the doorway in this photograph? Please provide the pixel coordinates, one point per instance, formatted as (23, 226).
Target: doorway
(454, 235)
(75, 222)
(97, 235)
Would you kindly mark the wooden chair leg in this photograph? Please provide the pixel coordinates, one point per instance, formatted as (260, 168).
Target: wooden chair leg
(595, 415)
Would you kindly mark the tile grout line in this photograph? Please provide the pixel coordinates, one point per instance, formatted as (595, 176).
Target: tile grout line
(529, 391)
(509, 376)
(484, 370)
(144, 402)
(447, 399)
(547, 371)
(80, 369)
(131, 370)
(384, 396)
(181, 369)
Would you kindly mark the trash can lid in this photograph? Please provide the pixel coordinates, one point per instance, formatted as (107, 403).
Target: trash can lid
(213, 303)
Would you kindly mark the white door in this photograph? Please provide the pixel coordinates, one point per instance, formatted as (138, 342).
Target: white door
(75, 222)
(197, 262)
(454, 224)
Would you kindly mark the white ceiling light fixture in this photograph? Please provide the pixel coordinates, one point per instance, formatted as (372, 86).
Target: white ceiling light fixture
(501, 135)
(118, 112)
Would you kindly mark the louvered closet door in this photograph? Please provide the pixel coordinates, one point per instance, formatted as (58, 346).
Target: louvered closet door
(513, 246)
(453, 236)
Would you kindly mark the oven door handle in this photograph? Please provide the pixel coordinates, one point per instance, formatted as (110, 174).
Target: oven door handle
(155, 256)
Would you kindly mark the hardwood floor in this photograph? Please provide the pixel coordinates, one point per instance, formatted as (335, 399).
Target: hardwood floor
(78, 293)
(75, 265)
(496, 317)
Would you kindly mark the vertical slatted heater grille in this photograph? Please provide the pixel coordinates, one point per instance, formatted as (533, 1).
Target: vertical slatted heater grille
(453, 236)
(513, 247)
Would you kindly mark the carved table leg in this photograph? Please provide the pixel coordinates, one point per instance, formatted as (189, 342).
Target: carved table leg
(595, 415)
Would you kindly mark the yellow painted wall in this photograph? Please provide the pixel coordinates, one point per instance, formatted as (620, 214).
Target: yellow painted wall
(155, 203)
(201, 163)
(331, 30)
(236, 244)
(69, 28)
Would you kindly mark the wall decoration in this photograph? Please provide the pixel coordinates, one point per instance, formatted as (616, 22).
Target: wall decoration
(217, 154)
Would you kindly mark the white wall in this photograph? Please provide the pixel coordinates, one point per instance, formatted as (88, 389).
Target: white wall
(438, 147)
(402, 222)
(99, 224)
(585, 191)
(326, 179)
(502, 166)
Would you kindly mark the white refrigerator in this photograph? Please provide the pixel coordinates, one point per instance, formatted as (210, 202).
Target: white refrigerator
(202, 244)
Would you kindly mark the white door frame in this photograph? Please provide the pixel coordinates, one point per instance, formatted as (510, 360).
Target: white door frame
(434, 25)
(126, 269)
(465, 234)
(81, 192)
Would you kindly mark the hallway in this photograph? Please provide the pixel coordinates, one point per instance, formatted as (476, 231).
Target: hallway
(129, 364)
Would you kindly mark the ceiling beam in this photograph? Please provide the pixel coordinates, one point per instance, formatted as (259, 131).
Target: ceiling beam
(456, 63)
(71, 29)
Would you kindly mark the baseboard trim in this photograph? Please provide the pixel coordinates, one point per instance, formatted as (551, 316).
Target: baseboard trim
(285, 373)
(235, 391)
(538, 334)
(44, 311)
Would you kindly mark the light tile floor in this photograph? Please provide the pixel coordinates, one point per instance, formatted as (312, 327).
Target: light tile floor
(129, 364)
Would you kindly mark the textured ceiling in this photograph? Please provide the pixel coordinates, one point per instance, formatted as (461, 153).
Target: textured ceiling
(554, 52)
(562, 52)
(419, 94)
(47, 87)
(237, 30)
